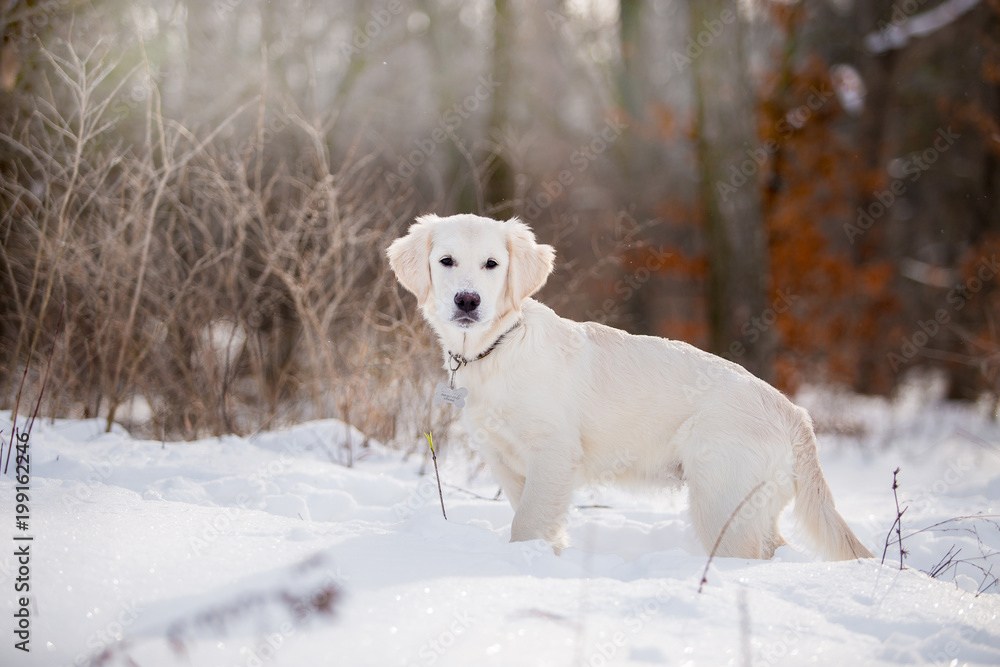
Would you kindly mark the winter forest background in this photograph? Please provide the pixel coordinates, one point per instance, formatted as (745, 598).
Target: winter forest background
(196, 196)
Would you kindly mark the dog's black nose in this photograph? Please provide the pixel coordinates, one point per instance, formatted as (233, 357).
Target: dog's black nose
(467, 301)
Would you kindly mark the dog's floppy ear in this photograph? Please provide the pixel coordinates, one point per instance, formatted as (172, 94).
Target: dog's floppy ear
(530, 263)
(409, 257)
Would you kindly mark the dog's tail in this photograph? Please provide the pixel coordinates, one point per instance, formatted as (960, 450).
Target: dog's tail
(815, 512)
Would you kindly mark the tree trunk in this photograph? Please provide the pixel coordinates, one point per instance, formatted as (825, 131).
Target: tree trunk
(500, 187)
(726, 143)
(638, 155)
(631, 82)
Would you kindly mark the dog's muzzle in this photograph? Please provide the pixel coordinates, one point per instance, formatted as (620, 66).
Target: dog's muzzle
(466, 304)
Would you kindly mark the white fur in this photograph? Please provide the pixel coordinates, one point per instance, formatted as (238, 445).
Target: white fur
(559, 404)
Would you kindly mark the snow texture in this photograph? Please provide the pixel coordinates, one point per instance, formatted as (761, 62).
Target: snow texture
(269, 550)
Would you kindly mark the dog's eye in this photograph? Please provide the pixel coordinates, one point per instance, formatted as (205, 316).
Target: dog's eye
(447, 261)
(491, 264)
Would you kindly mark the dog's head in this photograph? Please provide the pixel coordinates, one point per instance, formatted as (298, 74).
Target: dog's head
(467, 271)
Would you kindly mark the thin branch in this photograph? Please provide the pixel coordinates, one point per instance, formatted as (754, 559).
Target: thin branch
(897, 524)
(722, 533)
(430, 443)
(13, 417)
(48, 367)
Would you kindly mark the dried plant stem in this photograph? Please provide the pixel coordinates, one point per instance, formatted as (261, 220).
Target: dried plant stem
(209, 278)
(722, 533)
(41, 393)
(48, 367)
(897, 524)
(430, 442)
(13, 417)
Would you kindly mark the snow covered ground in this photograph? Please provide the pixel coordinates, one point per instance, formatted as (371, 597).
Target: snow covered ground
(268, 550)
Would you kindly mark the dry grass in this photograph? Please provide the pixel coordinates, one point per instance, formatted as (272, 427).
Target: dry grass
(210, 286)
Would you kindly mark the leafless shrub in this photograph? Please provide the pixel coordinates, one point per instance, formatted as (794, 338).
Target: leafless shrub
(982, 564)
(897, 525)
(211, 286)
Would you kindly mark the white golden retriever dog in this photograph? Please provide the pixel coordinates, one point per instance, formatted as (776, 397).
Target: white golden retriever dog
(562, 403)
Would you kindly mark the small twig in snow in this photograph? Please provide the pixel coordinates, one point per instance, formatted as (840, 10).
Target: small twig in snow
(897, 524)
(48, 366)
(471, 494)
(722, 533)
(430, 442)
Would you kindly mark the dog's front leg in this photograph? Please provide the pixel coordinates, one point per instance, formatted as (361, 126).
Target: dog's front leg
(511, 482)
(548, 488)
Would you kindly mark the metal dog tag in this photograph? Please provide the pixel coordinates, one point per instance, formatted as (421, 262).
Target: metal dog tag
(453, 396)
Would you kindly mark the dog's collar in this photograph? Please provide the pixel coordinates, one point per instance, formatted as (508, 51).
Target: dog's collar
(456, 361)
